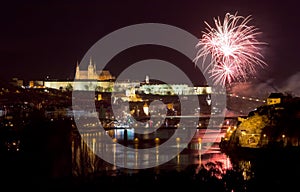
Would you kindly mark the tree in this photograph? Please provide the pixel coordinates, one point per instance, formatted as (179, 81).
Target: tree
(99, 89)
(69, 87)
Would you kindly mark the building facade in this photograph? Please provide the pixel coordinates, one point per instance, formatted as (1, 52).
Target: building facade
(91, 73)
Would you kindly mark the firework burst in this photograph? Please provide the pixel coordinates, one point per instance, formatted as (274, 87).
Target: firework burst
(234, 49)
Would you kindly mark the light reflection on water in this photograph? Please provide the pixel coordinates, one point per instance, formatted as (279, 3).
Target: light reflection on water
(203, 148)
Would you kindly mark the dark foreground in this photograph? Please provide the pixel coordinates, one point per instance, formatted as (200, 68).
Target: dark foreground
(44, 163)
(48, 171)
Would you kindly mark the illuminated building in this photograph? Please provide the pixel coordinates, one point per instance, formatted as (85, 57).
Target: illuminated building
(16, 82)
(92, 73)
(274, 98)
(92, 79)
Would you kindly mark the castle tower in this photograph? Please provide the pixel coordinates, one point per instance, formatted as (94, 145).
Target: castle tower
(91, 72)
(77, 74)
(95, 72)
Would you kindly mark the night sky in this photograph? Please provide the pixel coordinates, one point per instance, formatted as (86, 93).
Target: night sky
(40, 39)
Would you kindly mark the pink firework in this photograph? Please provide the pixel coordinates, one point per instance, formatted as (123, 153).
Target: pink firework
(234, 49)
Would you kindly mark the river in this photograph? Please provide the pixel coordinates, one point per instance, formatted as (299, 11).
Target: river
(53, 155)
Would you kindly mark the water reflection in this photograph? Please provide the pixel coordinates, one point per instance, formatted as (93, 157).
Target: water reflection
(202, 150)
(200, 164)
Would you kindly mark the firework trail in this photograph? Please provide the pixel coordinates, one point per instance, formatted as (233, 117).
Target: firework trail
(233, 47)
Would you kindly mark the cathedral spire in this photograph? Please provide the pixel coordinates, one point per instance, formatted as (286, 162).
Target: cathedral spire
(91, 62)
(77, 74)
(91, 70)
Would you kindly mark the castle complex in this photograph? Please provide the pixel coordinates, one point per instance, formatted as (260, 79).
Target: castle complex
(92, 73)
(91, 79)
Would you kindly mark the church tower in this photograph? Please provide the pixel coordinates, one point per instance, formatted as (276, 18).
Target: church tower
(95, 72)
(91, 71)
(77, 74)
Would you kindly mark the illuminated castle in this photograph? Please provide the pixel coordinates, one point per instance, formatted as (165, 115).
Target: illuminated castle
(91, 79)
(92, 74)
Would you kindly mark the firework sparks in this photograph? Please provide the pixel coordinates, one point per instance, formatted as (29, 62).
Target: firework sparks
(233, 47)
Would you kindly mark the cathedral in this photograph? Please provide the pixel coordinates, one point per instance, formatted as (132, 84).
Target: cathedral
(91, 79)
(92, 73)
